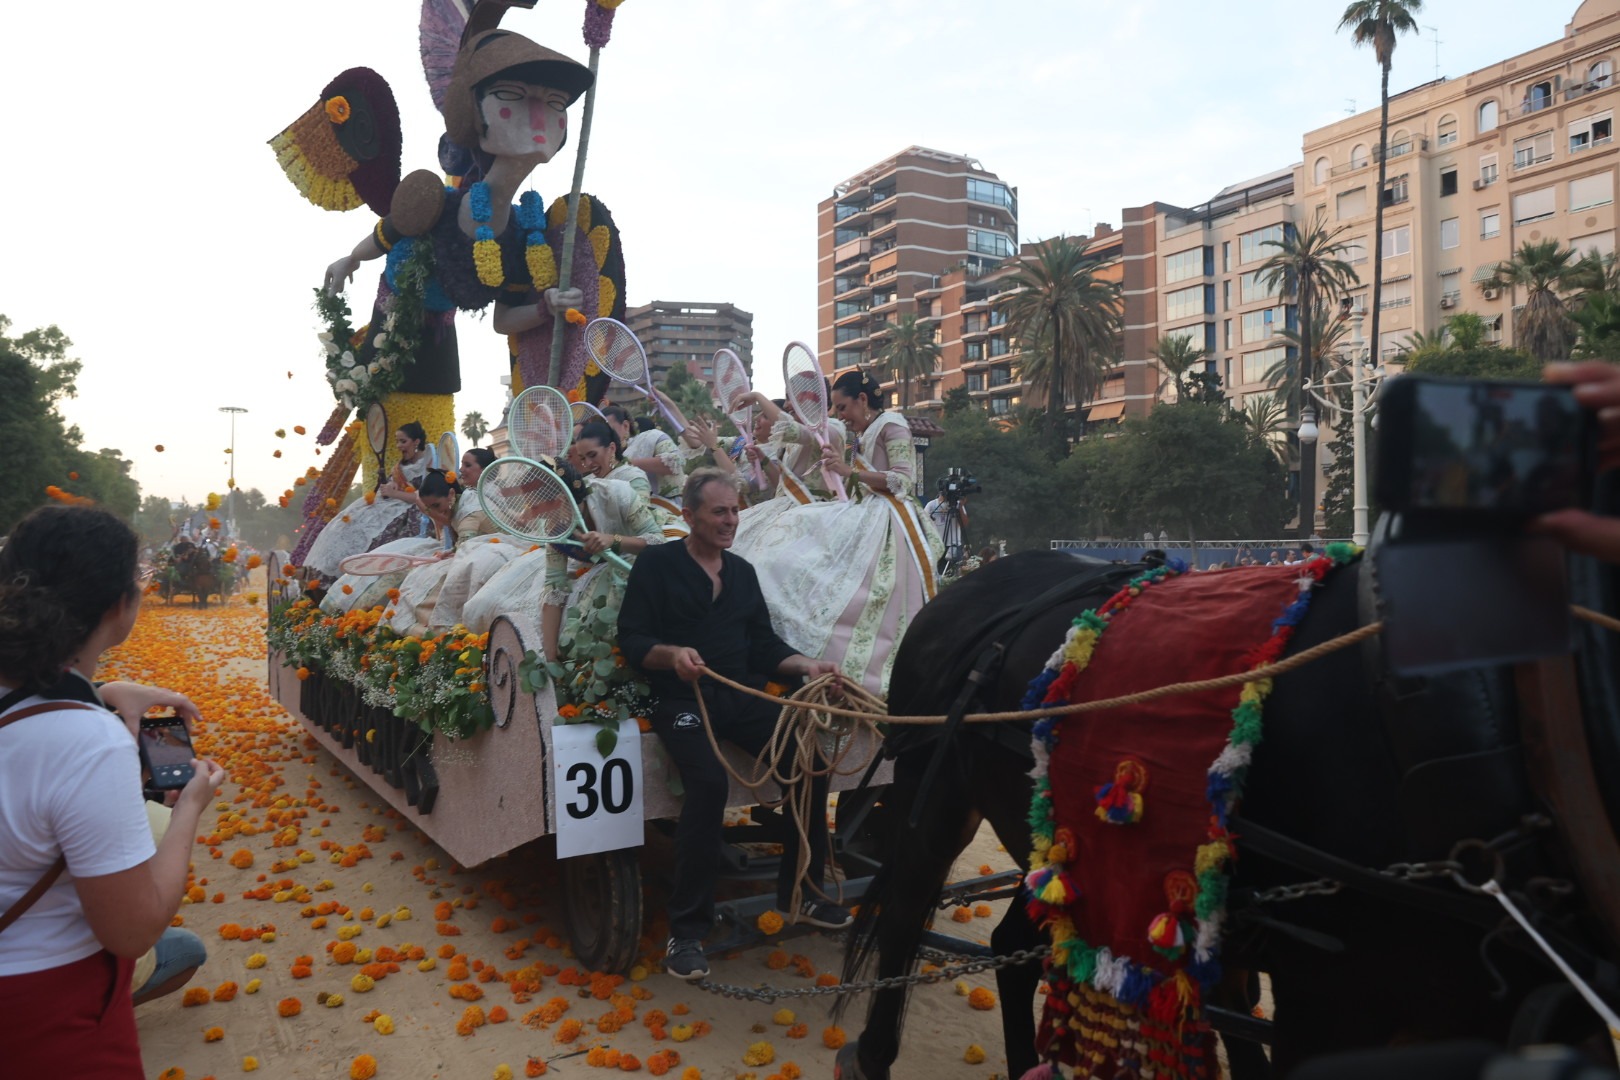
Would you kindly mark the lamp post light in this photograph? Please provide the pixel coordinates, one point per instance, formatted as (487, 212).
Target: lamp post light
(230, 490)
(1361, 403)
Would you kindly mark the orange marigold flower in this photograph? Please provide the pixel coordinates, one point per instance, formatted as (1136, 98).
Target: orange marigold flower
(833, 1038)
(289, 1007)
(798, 1031)
(173, 1072)
(981, 911)
(777, 960)
(569, 1030)
(213, 1034)
(960, 914)
(299, 428)
(534, 1067)
(225, 991)
(982, 999)
(576, 317)
(498, 1015)
(769, 923)
(363, 1067)
(629, 1063)
(343, 952)
(197, 995)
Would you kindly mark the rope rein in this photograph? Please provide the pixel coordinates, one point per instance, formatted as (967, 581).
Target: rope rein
(810, 718)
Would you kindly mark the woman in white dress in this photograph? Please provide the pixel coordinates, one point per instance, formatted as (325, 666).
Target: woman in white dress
(560, 578)
(431, 598)
(599, 452)
(844, 579)
(394, 514)
(651, 450)
(356, 592)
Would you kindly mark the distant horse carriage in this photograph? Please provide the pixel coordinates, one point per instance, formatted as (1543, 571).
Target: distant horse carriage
(189, 569)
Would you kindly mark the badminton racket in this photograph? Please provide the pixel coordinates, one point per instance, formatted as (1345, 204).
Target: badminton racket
(540, 423)
(584, 412)
(730, 382)
(807, 397)
(529, 501)
(377, 436)
(616, 351)
(377, 563)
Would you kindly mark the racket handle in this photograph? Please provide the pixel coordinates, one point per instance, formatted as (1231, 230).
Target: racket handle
(616, 560)
(673, 420)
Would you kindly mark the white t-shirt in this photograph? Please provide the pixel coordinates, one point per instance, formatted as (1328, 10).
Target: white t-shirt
(70, 783)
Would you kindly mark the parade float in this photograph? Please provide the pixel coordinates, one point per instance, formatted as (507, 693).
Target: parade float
(472, 736)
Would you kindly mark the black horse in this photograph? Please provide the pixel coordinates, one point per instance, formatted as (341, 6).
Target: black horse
(1354, 766)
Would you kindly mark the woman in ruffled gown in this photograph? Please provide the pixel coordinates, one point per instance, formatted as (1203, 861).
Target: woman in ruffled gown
(431, 598)
(599, 452)
(356, 592)
(648, 448)
(790, 459)
(560, 578)
(394, 514)
(843, 580)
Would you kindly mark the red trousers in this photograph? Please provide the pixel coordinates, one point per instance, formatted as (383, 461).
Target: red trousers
(76, 1020)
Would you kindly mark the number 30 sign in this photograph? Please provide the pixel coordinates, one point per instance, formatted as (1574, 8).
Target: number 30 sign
(597, 799)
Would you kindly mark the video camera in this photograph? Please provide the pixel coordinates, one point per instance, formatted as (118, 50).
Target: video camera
(955, 484)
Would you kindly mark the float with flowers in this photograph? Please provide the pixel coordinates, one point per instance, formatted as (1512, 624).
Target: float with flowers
(466, 731)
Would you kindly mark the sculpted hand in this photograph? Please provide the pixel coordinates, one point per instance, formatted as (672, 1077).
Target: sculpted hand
(559, 301)
(339, 274)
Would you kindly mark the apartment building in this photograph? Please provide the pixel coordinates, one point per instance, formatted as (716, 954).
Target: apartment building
(1522, 150)
(683, 332)
(1193, 273)
(892, 229)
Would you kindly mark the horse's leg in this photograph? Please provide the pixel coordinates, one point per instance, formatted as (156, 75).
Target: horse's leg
(1003, 778)
(923, 861)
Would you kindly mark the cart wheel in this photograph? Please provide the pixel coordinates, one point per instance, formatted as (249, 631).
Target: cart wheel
(602, 901)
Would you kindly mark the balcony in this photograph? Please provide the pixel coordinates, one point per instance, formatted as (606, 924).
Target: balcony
(1529, 160)
(981, 304)
(973, 331)
(843, 212)
(975, 363)
(851, 289)
(1580, 90)
(880, 228)
(851, 316)
(884, 302)
(851, 250)
(884, 265)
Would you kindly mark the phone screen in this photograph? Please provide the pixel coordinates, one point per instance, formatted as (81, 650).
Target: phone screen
(166, 749)
(1495, 447)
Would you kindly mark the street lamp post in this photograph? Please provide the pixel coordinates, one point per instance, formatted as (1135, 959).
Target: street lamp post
(1360, 378)
(230, 490)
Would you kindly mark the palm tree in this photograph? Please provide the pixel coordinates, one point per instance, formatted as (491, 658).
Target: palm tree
(1061, 293)
(908, 352)
(1267, 418)
(1177, 355)
(1318, 338)
(1543, 269)
(1467, 330)
(474, 426)
(1309, 268)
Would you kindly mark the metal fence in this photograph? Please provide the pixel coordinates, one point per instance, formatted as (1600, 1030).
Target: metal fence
(1199, 554)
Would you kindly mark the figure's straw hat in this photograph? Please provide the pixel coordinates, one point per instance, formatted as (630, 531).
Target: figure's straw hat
(494, 52)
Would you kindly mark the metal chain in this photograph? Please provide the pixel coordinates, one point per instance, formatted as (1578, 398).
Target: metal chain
(1401, 871)
(768, 994)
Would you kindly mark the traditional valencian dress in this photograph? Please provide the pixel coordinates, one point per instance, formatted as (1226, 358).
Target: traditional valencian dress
(371, 590)
(561, 573)
(843, 580)
(666, 513)
(364, 528)
(432, 597)
(665, 491)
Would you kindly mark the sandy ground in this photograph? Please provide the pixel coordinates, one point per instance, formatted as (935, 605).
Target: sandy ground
(295, 835)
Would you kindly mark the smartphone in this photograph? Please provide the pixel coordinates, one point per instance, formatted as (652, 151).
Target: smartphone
(1482, 450)
(166, 753)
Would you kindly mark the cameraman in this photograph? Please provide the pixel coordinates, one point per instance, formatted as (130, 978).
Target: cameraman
(1597, 388)
(951, 489)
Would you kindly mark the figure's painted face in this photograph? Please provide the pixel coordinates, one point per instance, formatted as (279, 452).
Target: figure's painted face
(523, 120)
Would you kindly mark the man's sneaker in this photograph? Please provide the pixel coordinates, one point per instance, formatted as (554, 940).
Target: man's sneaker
(684, 959)
(824, 913)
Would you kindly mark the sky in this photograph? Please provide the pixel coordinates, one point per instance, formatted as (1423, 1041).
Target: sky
(150, 222)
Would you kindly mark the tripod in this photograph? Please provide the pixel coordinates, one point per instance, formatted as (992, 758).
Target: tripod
(950, 563)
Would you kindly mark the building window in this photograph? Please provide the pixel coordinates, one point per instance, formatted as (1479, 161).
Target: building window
(1397, 241)
(1599, 75)
(1532, 150)
(975, 350)
(1352, 204)
(988, 191)
(1590, 191)
(1320, 171)
(1487, 116)
(1185, 303)
(1226, 255)
(1255, 288)
(1395, 191)
(1000, 406)
(1394, 294)
(1000, 376)
(1538, 97)
(1359, 156)
(1446, 134)
(1487, 170)
(1226, 294)
(1598, 244)
(1259, 244)
(847, 333)
(1256, 364)
(1592, 131)
(1226, 334)
(1534, 205)
(1183, 265)
(989, 243)
(998, 346)
(1490, 224)
(1355, 251)
(1450, 233)
(1448, 182)
(1259, 325)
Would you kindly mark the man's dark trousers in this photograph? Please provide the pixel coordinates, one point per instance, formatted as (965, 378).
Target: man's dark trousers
(748, 723)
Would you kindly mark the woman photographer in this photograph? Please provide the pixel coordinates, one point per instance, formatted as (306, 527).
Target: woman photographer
(83, 889)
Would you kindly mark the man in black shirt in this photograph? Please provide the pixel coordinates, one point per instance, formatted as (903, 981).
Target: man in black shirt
(689, 606)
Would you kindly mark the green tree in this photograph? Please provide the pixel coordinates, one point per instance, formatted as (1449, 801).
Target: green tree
(474, 426)
(1545, 270)
(689, 393)
(1467, 330)
(1062, 293)
(1321, 342)
(908, 352)
(1338, 487)
(1177, 355)
(1309, 268)
(1267, 419)
(1018, 504)
(1186, 470)
(1485, 362)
